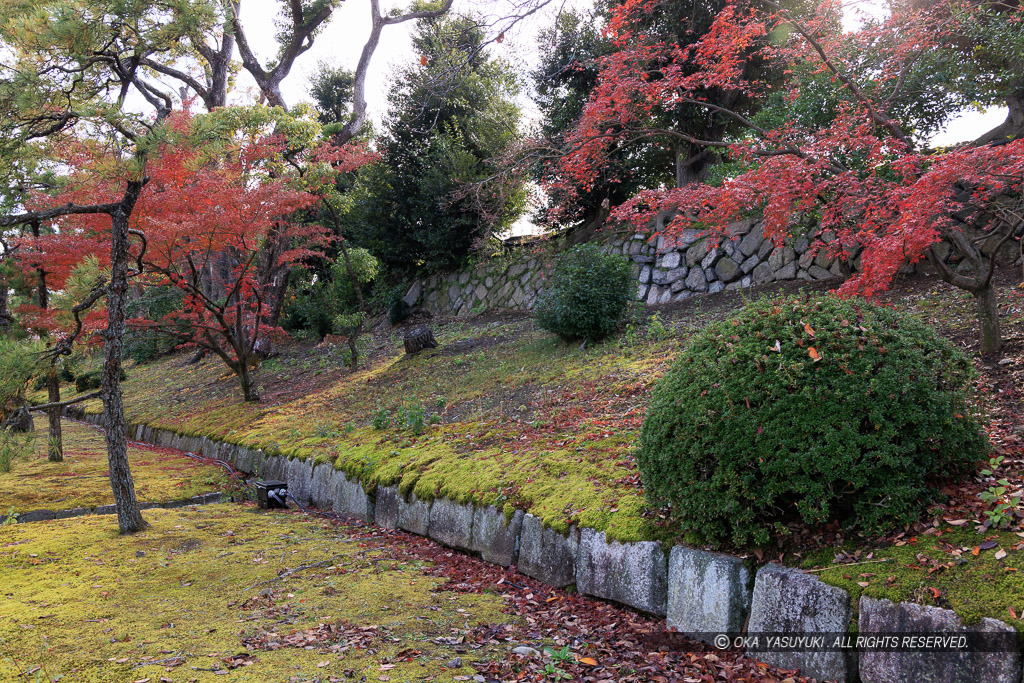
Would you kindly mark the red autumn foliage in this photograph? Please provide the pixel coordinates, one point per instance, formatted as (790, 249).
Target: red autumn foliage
(860, 174)
(215, 222)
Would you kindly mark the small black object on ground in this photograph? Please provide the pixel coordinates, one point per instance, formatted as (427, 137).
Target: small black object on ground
(271, 494)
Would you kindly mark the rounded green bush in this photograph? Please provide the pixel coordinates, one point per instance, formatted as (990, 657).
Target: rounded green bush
(814, 409)
(588, 292)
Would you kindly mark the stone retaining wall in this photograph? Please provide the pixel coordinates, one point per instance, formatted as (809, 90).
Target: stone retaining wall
(667, 269)
(700, 593)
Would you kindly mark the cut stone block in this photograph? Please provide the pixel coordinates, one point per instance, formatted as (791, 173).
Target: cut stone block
(385, 511)
(727, 270)
(496, 539)
(883, 616)
(300, 479)
(451, 524)
(547, 555)
(707, 592)
(323, 488)
(274, 468)
(414, 515)
(695, 281)
(753, 240)
(351, 500)
(762, 274)
(243, 459)
(206, 498)
(787, 272)
(79, 512)
(789, 601)
(633, 574)
(103, 510)
(211, 449)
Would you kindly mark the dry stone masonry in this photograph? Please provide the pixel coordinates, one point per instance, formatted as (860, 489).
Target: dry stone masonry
(667, 269)
(699, 592)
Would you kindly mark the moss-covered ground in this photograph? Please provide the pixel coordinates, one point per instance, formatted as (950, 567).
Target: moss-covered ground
(182, 600)
(82, 479)
(974, 574)
(504, 413)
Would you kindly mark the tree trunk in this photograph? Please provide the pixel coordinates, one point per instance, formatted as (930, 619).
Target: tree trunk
(54, 438)
(1010, 129)
(54, 441)
(419, 339)
(6, 319)
(129, 518)
(988, 320)
(245, 381)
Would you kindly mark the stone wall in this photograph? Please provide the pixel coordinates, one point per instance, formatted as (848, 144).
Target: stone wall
(706, 596)
(511, 285)
(666, 268)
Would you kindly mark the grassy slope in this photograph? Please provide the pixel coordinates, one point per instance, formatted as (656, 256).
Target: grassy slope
(523, 419)
(82, 480)
(528, 421)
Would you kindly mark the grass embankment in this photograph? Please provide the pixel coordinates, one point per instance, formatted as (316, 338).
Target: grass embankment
(184, 598)
(512, 416)
(82, 480)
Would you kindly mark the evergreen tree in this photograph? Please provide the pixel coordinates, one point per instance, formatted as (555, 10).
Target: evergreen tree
(429, 201)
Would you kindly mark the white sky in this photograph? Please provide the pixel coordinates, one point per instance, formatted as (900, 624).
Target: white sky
(341, 43)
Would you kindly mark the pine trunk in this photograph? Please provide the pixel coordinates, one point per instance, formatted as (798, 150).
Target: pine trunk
(129, 518)
(54, 441)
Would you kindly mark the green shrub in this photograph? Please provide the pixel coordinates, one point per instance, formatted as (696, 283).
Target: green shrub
(589, 291)
(811, 409)
(20, 363)
(398, 310)
(88, 381)
(14, 446)
(317, 297)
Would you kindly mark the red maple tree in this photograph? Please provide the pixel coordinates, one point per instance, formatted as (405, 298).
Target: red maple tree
(216, 221)
(858, 170)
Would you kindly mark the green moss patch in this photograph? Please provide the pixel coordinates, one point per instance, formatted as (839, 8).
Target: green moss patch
(954, 568)
(512, 416)
(183, 598)
(82, 480)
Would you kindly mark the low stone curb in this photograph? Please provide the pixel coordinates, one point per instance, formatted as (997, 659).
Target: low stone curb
(47, 515)
(906, 617)
(789, 601)
(707, 592)
(698, 592)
